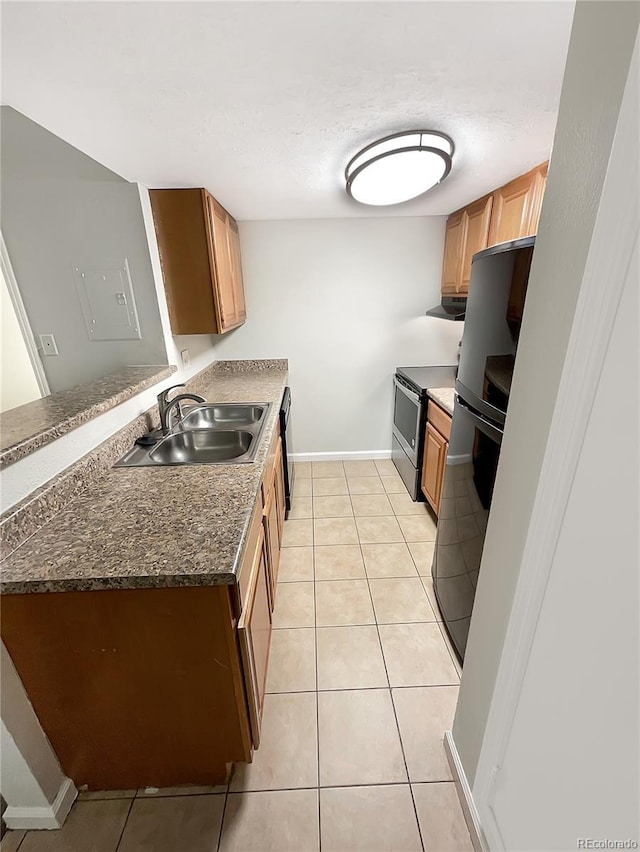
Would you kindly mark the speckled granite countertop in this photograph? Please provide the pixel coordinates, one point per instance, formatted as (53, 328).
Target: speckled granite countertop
(154, 527)
(31, 426)
(445, 397)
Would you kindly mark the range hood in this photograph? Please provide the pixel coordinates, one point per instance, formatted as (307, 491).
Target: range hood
(450, 308)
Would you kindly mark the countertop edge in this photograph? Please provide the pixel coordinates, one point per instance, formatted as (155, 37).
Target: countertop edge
(444, 397)
(24, 447)
(238, 532)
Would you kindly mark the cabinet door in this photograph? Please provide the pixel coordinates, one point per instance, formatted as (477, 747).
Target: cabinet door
(453, 248)
(476, 231)
(272, 539)
(512, 210)
(223, 278)
(540, 184)
(279, 483)
(433, 462)
(183, 230)
(254, 635)
(236, 271)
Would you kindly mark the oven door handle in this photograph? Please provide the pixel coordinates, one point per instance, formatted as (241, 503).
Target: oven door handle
(411, 394)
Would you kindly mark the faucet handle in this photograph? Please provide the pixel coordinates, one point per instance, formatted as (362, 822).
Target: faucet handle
(162, 396)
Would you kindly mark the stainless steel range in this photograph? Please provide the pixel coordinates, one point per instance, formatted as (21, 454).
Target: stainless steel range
(409, 416)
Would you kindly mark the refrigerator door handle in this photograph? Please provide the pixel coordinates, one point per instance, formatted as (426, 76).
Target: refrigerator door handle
(491, 430)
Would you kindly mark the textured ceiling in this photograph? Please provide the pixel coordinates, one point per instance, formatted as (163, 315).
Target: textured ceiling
(265, 102)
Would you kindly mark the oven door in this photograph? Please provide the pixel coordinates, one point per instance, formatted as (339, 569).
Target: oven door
(407, 412)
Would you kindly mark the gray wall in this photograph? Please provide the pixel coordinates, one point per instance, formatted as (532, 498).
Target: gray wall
(61, 209)
(600, 50)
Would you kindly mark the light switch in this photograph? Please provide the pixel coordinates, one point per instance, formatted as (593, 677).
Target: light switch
(184, 355)
(48, 344)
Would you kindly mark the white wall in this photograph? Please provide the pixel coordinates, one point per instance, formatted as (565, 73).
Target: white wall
(344, 300)
(18, 383)
(574, 746)
(597, 66)
(576, 706)
(61, 210)
(31, 778)
(18, 480)
(30, 770)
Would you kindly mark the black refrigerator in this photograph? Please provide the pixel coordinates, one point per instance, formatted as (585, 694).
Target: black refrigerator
(494, 308)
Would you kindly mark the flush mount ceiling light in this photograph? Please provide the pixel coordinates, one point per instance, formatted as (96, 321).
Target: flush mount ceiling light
(399, 167)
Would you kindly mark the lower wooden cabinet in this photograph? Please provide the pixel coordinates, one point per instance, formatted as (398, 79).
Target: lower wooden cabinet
(435, 454)
(281, 506)
(273, 511)
(260, 564)
(254, 635)
(160, 686)
(436, 447)
(272, 539)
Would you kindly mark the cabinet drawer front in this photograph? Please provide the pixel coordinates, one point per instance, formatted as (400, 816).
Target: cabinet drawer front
(440, 419)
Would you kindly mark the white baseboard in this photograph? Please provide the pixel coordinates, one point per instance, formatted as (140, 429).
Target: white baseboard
(50, 816)
(349, 455)
(464, 794)
(465, 458)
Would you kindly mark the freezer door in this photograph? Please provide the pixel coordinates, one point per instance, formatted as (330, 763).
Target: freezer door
(467, 490)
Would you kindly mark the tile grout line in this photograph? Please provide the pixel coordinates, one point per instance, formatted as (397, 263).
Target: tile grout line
(22, 839)
(395, 715)
(224, 811)
(315, 646)
(335, 689)
(393, 706)
(126, 822)
(393, 514)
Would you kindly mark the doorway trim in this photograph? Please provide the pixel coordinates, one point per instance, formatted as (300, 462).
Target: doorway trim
(23, 319)
(612, 254)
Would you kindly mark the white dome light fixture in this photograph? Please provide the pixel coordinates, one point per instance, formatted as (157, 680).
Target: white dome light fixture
(399, 167)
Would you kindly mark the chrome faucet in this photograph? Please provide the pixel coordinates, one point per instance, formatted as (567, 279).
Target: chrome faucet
(166, 406)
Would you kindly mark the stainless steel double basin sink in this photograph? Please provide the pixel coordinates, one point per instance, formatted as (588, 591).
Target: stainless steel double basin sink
(207, 433)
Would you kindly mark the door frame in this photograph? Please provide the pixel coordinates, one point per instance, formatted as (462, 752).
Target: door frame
(23, 319)
(613, 251)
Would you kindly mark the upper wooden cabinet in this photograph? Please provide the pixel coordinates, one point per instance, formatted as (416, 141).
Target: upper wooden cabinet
(453, 250)
(540, 182)
(201, 265)
(467, 232)
(477, 217)
(511, 212)
(516, 207)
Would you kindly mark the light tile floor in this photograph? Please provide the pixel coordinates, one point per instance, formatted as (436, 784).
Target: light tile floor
(362, 685)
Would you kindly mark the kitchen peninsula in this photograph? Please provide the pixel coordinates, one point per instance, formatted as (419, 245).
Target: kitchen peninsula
(153, 591)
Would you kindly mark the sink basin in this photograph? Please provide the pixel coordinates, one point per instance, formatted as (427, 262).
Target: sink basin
(208, 433)
(202, 446)
(229, 416)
